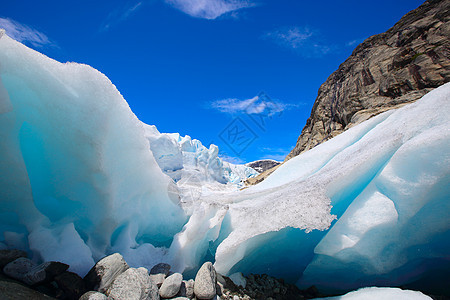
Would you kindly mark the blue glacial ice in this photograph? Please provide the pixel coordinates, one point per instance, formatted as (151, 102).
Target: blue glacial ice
(82, 177)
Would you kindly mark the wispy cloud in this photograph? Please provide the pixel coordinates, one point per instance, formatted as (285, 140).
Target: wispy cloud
(25, 34)
(354, 42)
(256, 105)
(209, 9)
(119, 15)
(303, 40)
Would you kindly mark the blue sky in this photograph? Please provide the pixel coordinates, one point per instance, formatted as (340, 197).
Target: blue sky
(240, 74)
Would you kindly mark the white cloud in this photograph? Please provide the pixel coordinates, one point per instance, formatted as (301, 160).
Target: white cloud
(303, 40)
(119, 15)
(260, 104)
(24, 34)
(294, 37)
(208, 9)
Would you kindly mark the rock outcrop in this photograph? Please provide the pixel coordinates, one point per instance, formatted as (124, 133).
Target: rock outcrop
(265, 167)
(386, 71)
(262, 165)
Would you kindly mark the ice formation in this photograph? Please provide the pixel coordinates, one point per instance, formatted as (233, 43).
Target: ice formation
(76, 174)
(375, 293)
(82, 177)
(184, 158)
(385, 181)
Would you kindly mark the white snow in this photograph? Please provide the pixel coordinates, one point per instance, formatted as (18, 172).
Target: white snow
(82, 177)
(376, 293)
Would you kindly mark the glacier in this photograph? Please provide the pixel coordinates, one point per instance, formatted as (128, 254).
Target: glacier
(186, 159)
(376, 293)
(81, 177)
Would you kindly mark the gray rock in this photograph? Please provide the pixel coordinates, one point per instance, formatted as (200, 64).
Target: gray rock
(219, 289)
(71, 284)
(189, 286)
(133, 284)
(101, 276)
(205, 282)
(221, 279)
(180, 298)
(18, 268)
(13, 290)
(171, 286)
(150, 288)
(44, 272)
(92, 295)
(159, 272)
(182, 291)
(7, 256)
(262, 165)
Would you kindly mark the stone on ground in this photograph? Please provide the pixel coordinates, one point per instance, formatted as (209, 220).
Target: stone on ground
(159, 272)
(92, 295)
(171, 286)
(133, 284)
(71, 284)
(101, 276)
(7, 256)
(45, 272)
(205, 282)
(18, 268)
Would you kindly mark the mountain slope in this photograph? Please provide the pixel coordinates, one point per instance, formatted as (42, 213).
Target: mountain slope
(384, 72)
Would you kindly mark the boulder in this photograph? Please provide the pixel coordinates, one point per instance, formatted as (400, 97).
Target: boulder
(159, 272)
(12, 290)
(133, 284)
(92, 295)
(18, 268)
(45, 272)
(101, 276)
(186, 289)
(205, 282)
(182, 291)
(189, 288)
(71, 284)
(171, 286)
(7, 256)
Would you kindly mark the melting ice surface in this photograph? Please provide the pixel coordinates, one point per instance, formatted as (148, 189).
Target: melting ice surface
(375, 293)
(82, 177)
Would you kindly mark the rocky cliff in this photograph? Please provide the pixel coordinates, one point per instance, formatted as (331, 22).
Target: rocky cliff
(384, 72)
(262, 165)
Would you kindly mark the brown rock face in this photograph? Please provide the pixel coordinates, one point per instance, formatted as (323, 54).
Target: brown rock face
(384, 72)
